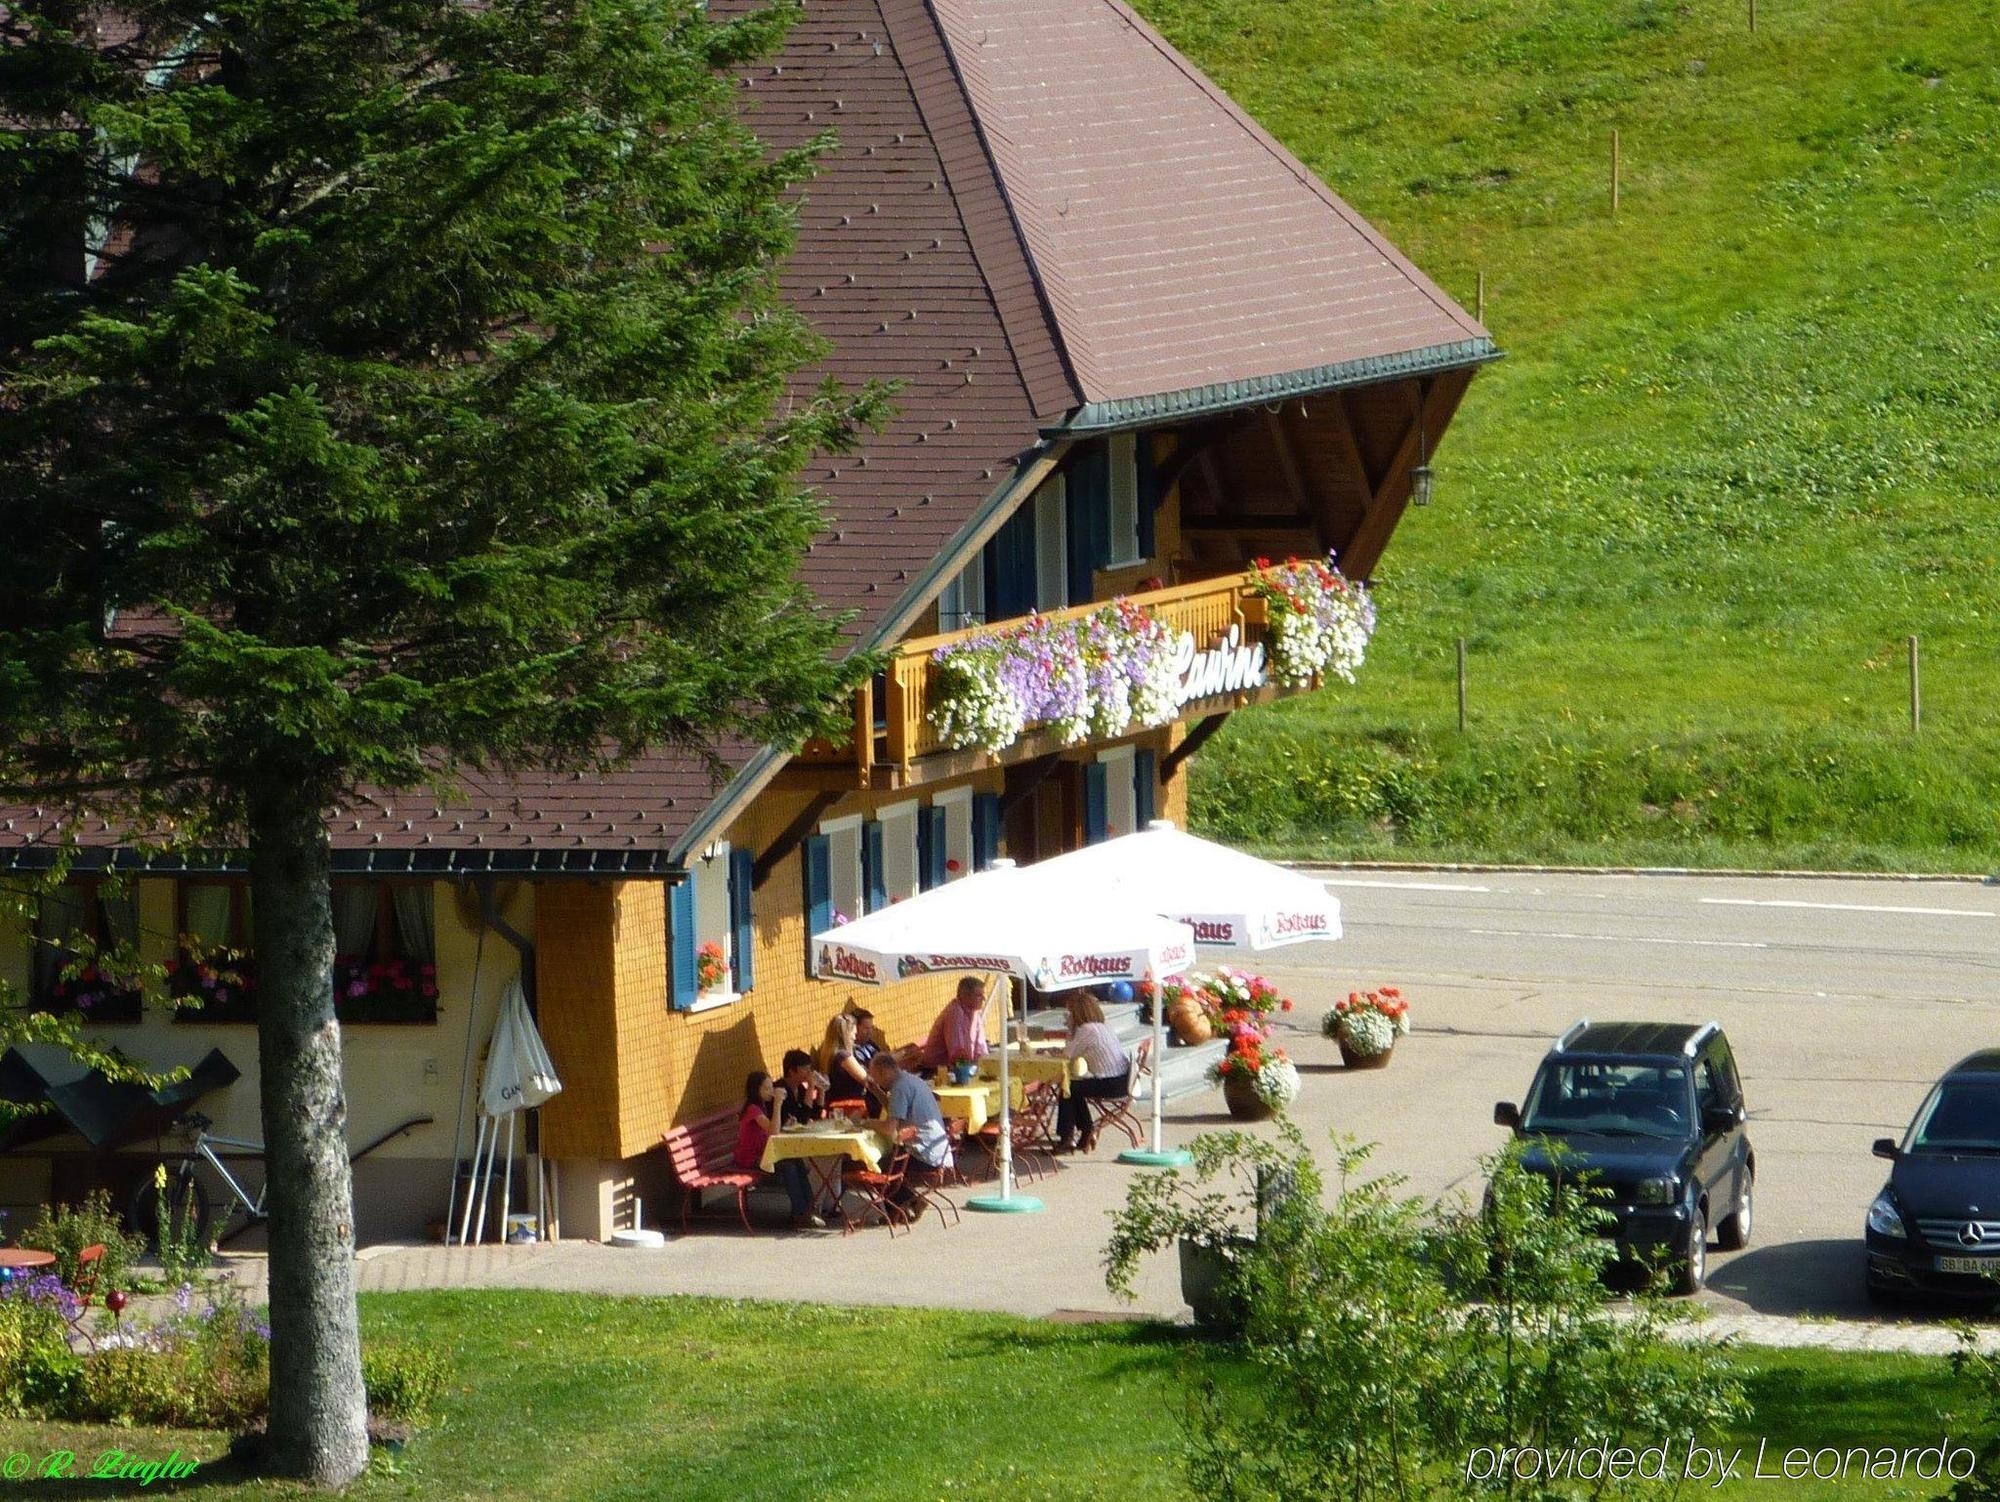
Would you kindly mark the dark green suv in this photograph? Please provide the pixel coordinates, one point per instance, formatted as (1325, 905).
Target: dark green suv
(1653, 1112)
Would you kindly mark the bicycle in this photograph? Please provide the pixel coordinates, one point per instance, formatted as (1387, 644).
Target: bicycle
(186, 1194)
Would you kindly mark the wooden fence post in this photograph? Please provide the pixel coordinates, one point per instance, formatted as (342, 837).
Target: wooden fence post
(1461, 685)
(1916, 692)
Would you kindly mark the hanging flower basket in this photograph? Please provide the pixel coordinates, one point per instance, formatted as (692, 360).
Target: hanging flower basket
(1320, 620)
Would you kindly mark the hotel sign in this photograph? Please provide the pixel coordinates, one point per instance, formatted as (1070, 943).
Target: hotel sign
(1228, 667)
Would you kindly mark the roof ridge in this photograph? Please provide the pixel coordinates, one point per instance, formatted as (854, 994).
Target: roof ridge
(1050, 392)
(1297, 168)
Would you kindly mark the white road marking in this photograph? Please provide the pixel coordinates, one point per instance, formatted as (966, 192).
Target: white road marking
(1537, 933)
(1846, 907)
(1404, 886)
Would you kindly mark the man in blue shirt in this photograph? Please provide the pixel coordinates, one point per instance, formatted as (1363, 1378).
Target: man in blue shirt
(908, 1102)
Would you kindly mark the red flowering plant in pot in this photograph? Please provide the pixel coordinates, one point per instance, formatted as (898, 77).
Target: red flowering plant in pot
(1258, 1079)
(1366, 1026)
(711, 967)
(391, 990)
(99, 993)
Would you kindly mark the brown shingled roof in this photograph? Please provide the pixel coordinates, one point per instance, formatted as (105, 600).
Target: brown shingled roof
(1034, 208)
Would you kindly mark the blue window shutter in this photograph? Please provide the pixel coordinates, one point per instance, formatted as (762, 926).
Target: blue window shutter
(985, 830)
(1149, 491)
(1145, 787)
(816, 866)
(930, 848)
(1089, 497)
(744, 933)
(1010, 566)
(874, 880)
(680, 943)
(1096, 802)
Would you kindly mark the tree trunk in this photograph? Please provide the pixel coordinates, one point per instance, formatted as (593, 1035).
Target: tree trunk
(318, 1429)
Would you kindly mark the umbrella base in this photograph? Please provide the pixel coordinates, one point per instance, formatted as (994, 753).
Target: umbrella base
(1145, 1157)
(1013, 1204)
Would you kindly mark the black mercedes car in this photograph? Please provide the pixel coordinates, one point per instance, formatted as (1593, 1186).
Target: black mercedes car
(1935, 1227)
(1654, 1111)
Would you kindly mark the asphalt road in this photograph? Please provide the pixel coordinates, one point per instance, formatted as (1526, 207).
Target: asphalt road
(1844, 999)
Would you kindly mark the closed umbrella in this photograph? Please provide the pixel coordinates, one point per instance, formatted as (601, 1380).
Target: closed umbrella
(1003, 922)
(519, 1076)
(1229, 900)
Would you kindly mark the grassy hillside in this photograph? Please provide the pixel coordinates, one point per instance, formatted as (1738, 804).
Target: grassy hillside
(1745, 442)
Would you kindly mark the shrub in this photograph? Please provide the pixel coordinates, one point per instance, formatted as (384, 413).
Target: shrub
(195, 1368)
(404, 1382)
(67, 1229)
(35, 1357)
(1384, 1340)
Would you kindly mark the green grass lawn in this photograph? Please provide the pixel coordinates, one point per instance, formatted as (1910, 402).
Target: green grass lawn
(572, 1396)
(1745, 442)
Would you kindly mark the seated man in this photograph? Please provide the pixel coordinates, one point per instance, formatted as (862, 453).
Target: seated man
(960, 1029)
(908, 1102)
(805, 1089)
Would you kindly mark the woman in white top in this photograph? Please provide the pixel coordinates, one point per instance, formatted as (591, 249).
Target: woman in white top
(1106, 1076)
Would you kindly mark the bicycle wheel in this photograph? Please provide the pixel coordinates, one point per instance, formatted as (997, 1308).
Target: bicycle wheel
(187, 1205)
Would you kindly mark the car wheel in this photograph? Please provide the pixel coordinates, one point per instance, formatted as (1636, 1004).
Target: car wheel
(1692, 1270)
(1734, 1233)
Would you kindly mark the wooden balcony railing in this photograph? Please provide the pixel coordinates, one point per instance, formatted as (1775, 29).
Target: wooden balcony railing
(892, 716)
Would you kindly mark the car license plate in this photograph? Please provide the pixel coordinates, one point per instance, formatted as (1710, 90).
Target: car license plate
(1985, 1267)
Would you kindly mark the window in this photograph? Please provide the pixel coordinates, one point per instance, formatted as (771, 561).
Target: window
(899, 852)
(962, 602)
(78, 927)
(711, 934)
(1124, 546)
(1051, 546)
(1120, 799)
(953, 811)
(385, 951)
(384, 943)
(844, 867)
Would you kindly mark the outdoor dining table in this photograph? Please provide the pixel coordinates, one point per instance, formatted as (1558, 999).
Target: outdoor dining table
(972, 1104)
(1033, 1068)
(25, 1259)
(824, 1147)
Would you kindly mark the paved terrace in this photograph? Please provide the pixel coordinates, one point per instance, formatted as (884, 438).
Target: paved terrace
(1805, 975)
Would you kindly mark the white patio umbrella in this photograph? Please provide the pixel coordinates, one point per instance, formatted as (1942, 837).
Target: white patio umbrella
(1228, 898)
(1001, 922)
(519, 1076)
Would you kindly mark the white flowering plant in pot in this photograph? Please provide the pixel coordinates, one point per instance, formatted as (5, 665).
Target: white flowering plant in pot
(1367, 1024)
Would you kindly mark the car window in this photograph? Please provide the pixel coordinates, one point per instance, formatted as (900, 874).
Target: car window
(1600, 1098)
(1726, 1079)
(1962, 1116)
(1707, 1092)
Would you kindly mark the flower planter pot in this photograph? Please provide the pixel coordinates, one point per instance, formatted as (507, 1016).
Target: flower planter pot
(1355, 1060)
(1189, 1022)
(964, 1074)
(1205, 1285)
(1239, 1093)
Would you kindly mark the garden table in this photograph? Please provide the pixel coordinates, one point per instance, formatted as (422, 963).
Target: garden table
(971, 1104)
(22, 1259)
(1033, 1069)
(824, 1151)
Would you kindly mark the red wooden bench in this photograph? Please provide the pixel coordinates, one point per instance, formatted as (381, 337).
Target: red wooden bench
(703, 1156)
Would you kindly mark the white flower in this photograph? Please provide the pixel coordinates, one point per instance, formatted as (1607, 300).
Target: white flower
(1278, 1082)
(1367, 1032)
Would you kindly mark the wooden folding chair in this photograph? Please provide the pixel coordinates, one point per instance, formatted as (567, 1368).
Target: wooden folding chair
(1117, 1112)
(879, 1190)
(83, 1287)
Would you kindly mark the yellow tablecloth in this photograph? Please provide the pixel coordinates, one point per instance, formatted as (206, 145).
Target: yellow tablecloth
(1033, 1069)
(861, 1144)
(972, 1104)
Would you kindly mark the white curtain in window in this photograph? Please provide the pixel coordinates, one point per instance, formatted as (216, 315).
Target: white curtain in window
(207, 905)
(64, 914)
(416, 921)
(354, 908)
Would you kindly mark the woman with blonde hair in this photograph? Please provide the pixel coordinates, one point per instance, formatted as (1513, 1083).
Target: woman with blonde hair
(847, 1075)
(1107, 1072)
